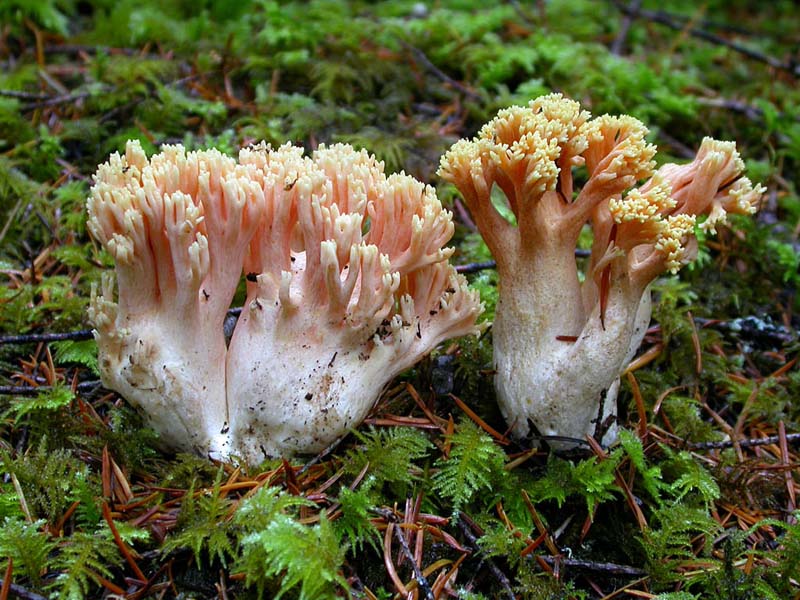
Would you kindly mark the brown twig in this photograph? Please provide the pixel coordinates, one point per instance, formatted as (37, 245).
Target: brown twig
(631, 12)
(748, 110)
(86, 49)
(753, 328)
(680, 148)
(21, 592)
(747, 443)
(675, 24)
(55, 100)
(33, 338)
(708, 23)
(23, 95)
(422, 582)
(322, 454)
(33, 390)
(490, 264)
(476, 267)
(426, 62)
(597, 567)
(521, 13)
(465, 524)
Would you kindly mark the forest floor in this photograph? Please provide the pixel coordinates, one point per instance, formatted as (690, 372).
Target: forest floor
(428, 498)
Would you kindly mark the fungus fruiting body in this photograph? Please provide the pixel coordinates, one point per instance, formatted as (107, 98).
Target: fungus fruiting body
(348, 284)
(174, 225)
(366, 292)
(560, 343)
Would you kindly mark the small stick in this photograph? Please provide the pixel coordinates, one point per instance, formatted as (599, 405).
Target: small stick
(33, 338)
(598, 567)
(421, 58)
(55, 100)
(422, 582)
(749, 443)
(631, 12)
(23, 95)
(666, 20)
(33, 390)
(498, 574)
(21, 592)
(476, 267)
(323, 453)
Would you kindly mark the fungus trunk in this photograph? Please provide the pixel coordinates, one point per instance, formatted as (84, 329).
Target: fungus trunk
(287, 399)
(559, 379)
(175, 375)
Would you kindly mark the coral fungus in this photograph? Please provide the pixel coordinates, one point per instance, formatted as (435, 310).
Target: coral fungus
(348, 285)
(560, 343)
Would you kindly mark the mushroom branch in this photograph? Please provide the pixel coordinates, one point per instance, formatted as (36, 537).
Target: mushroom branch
(348, 284)
(177, 227)
(560, 341)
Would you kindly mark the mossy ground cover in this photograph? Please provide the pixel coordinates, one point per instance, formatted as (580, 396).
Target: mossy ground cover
(428, 499)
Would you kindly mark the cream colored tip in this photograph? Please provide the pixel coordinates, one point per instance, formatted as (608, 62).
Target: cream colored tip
(672, 240)
(456, 162)
(643, 205)
(717, 153)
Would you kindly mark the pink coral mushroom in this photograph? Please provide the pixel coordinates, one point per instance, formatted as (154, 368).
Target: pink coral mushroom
(348, 285)
(176, 226)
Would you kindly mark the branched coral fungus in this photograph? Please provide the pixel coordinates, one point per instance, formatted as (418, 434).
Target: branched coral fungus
(559, 343)
(348, 285)
(174, 225)
(353, 286)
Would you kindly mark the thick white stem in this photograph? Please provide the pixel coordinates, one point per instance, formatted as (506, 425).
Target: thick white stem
(542, 288)
(563, 386)
(295, 385)
(175, 375)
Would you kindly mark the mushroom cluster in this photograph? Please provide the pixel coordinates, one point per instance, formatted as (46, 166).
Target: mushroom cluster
(560, 342)
(348, 284)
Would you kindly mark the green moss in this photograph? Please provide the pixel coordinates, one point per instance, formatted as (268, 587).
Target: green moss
(405, 80)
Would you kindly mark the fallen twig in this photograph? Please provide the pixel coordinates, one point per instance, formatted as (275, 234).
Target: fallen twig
(55, 100)
(322, 454)
(21, 592)
(33, 390)
(87, 49)
(23, 95)
(521, 13)
(631, 12)
(490, 264)
(753, 328)
(766, 441)
(597, 567)
(35, 338)
(476, 267)
(464, 524)
(422, 582)
(675, 24)
(754, 113)
(708, 23)
(421, 58)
